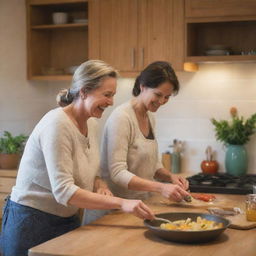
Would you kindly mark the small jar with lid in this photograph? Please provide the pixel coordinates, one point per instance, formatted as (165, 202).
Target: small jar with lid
(251, 207)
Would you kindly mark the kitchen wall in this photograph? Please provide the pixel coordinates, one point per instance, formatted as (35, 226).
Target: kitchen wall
(208, 93)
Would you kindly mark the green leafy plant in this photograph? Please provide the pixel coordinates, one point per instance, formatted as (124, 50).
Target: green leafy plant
(236, 131)
(12, 144)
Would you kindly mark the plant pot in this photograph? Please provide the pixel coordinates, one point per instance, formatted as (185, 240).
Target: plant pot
(9, 161)
(209, 167)
(236, 162)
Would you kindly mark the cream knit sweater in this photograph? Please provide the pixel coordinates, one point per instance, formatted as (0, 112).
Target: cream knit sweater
(57, 160)
(126, 152)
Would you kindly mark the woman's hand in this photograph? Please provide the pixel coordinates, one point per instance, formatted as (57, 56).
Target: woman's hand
(138, 208)
(104, 191)
(101, 187)
(173, 191)
(182, 182)
(165, 175)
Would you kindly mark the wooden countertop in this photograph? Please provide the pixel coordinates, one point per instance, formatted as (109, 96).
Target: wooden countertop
(125, 235)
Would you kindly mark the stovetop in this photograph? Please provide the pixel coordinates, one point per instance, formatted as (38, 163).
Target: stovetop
(222, 183)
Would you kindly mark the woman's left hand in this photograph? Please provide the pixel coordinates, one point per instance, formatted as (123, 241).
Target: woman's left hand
(182, 182)
(104, 191)
(100, 187)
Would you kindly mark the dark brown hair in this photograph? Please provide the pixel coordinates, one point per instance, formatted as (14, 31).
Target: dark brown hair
(154, 75)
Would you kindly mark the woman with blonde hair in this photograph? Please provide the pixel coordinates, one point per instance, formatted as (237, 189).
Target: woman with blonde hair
(58, 173)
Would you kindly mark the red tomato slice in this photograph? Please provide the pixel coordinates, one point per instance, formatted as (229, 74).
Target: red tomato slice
(204, 197)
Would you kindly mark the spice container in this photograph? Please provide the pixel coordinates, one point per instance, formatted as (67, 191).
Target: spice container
(251, 207)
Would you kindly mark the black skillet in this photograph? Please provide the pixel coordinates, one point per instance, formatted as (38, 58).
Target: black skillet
(186, 236)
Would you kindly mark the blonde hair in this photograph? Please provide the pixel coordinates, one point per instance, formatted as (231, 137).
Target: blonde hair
(87, 77)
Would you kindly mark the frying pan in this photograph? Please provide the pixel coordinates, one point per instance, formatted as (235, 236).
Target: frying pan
(186, 236)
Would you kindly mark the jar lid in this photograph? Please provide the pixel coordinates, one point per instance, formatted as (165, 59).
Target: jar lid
(251, 197)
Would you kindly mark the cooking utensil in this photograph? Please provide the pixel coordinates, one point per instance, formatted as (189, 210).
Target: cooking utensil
(163, 220)
(209, 153)
(186, 236)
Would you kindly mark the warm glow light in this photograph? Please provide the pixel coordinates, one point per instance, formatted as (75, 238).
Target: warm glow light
(190, 67)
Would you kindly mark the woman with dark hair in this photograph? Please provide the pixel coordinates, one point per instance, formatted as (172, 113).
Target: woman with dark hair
(129, 159)
(59, 169)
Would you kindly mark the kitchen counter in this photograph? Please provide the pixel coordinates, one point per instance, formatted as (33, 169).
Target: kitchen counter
(123, 234)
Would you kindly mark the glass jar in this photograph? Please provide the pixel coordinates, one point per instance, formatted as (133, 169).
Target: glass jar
(251, 207)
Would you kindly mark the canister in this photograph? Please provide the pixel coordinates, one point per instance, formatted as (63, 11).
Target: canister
(176, 162)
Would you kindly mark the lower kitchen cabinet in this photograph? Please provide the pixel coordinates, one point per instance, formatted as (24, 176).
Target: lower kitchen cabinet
(7, 181)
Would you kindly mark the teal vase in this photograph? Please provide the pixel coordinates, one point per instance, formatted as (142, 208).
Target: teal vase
(236, 160)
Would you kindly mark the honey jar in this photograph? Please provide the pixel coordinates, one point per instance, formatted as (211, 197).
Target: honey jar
(251, 207)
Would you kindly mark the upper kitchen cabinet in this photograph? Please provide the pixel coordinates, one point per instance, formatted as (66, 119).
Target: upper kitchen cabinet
(115, 32)
(220, 30)
(161, 34)
(129, 34)
(219, 8)
(56, 45)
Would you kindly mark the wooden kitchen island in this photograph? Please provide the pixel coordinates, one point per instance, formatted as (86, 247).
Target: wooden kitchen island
(120, 234)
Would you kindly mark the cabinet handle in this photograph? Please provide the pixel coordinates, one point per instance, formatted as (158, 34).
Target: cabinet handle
(142, 58)
(133, 58)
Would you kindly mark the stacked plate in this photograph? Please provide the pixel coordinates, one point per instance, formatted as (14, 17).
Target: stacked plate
(217, 50)
(82, 21)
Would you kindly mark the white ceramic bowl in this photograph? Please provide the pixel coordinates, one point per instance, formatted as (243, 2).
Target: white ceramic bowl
(60, 18)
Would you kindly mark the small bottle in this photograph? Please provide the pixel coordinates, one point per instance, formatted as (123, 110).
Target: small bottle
(251, 207)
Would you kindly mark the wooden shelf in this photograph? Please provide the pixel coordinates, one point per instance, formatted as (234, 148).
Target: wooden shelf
(64, 26)
(56, 46)
(233, 36)
(228, 25)
(226, 58)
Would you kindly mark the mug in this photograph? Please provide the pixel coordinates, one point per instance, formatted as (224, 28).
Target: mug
(60, 17)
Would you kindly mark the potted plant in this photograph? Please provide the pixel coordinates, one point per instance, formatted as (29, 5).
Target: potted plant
(11, 148)
(235, 133)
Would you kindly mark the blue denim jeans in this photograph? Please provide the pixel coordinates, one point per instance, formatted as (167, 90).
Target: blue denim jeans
(92, 215)
(24, 227)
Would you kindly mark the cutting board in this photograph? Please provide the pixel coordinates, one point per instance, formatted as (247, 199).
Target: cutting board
(218, 202)
(239, 222)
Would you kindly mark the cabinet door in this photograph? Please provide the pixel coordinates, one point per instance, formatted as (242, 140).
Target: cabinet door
(160, 31)
(130, 34)
(118, 33)
(212, 8)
